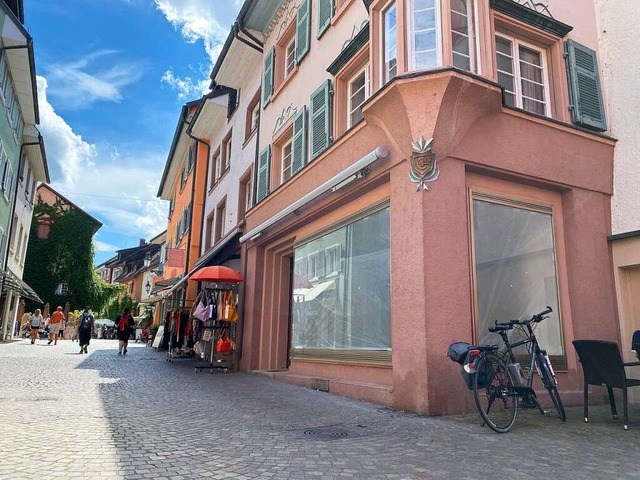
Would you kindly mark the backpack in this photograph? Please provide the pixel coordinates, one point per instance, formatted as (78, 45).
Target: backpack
(85, 322)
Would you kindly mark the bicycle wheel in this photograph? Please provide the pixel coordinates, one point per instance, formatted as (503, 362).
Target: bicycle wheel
(549, 383)
(493, 393)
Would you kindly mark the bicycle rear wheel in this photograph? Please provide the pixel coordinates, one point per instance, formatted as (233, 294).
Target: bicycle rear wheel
(549, 383)
(493, 393)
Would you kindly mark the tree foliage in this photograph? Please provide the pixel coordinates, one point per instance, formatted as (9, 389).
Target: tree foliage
(65, 256)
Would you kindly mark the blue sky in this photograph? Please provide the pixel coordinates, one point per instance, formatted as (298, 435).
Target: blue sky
(112, 77)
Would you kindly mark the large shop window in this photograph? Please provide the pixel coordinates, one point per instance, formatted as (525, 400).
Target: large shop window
(341, 288)
(515, 267)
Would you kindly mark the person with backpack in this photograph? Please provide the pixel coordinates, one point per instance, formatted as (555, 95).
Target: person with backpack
(125, 326)
(85, 328)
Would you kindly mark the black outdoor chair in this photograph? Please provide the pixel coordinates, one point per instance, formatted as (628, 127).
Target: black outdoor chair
(635, 343)
(602, 365)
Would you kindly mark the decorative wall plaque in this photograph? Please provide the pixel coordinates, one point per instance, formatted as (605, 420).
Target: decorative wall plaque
(423, 163)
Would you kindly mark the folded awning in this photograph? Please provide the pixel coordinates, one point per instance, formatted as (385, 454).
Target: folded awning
(11, 282)
(212, 253)
(154, 299)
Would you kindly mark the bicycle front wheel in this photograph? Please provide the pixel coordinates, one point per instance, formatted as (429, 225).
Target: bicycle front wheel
(549, 383)
(493, 393)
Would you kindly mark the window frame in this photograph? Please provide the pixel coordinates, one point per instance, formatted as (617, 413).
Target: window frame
(285, 137)
(281, 76)
(290, 51)
(221, 214)
(225, 153)
(250, 126)
(533, 199)
(283, 155)
(245, 194)
(472, 15)
(214, 166)
(383, 36)
(516, 41)
(410, 43)
(209, 233)
(366, 69)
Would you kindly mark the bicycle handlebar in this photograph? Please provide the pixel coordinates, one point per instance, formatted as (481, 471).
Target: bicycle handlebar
(537, 318)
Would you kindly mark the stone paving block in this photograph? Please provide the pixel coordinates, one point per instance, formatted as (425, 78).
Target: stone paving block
(145, 418)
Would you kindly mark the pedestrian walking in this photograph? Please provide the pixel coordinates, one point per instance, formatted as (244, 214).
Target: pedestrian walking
(24, 322)
(36, 322)
(125, 325)
(85, 328)
(54, 325)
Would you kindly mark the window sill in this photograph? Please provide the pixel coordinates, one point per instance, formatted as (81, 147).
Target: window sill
(284, 83)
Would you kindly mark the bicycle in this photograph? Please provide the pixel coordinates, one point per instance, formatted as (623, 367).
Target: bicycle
(499, 388)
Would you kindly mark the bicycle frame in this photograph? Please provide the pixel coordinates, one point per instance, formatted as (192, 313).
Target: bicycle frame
(535, 349)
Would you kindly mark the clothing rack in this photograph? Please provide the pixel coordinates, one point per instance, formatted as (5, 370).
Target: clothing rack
(171, 354)
(224, 361)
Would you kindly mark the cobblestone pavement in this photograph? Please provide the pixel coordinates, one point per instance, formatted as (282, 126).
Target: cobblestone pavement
(65, 415)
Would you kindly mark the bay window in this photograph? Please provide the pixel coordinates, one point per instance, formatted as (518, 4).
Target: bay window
(390, 42)
(463, 34)
(358, 94)
(424, 41)
(522, 73)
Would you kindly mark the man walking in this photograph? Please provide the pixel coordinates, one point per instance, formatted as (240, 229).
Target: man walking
(125, 325)
(85, 328)
(54, 325)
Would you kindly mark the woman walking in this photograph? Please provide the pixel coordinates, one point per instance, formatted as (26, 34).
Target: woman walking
(125, 325)
(85, 329)
(36, 323)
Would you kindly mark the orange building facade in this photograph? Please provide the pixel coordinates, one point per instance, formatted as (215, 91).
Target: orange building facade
(183, 184)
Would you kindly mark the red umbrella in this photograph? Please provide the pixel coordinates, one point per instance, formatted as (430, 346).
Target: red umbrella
(217, 274)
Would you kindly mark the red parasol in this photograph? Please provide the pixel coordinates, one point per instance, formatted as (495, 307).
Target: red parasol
(217, 274)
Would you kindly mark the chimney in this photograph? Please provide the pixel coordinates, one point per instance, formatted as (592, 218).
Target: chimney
(143, 242)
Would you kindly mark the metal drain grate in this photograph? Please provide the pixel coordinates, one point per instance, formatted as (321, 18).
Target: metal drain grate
(326, 433)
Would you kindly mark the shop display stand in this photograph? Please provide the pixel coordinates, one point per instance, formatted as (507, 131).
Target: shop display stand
(172, 355)
(218, 362)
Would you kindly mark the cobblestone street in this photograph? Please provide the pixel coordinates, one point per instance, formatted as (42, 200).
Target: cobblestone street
(65, 415)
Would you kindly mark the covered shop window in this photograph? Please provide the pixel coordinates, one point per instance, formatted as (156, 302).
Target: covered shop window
(515, 268)
(341, 290)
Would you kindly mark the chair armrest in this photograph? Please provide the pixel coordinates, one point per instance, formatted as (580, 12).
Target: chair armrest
(631, 364)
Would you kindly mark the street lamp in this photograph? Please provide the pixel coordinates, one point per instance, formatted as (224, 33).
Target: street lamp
(147, 287)
(147, 260)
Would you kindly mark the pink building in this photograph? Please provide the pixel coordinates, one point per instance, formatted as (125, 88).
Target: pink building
(425, 167)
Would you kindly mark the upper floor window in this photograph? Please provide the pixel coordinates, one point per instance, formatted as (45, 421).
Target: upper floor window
(214, 168)
(463, 34)
(245, 197)
(424, 44)
(390, 42)
(226, 153)
(522, 73)
(221, 216)
(286, 161)
(290, 61)
(253, 116)
(358, 94)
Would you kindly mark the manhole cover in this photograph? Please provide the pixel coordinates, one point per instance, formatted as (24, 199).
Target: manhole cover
(326, 433)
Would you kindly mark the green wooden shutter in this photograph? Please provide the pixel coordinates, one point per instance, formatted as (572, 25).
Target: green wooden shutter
(303, 30)
(587, 106)
(267, 77)
(262, 183)
(299, 142)
(325, 13)
(320, 113)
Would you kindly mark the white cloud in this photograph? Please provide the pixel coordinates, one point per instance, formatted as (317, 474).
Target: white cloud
(94, 77)
(100, 246)
(120, 190)
(198, 21)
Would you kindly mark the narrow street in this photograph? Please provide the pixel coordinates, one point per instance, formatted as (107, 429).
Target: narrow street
(65, 415)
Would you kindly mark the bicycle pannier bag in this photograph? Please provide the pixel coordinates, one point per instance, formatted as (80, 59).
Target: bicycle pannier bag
(458, 352)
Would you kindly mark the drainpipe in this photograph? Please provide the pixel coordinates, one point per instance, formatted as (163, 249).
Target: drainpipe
(193, 190)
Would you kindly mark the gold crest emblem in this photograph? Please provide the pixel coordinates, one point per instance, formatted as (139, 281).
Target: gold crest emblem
(423, 164)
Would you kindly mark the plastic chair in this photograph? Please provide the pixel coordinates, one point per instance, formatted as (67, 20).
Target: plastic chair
(602, 365)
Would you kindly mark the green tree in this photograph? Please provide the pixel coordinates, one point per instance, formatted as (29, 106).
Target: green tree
(65, 256)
